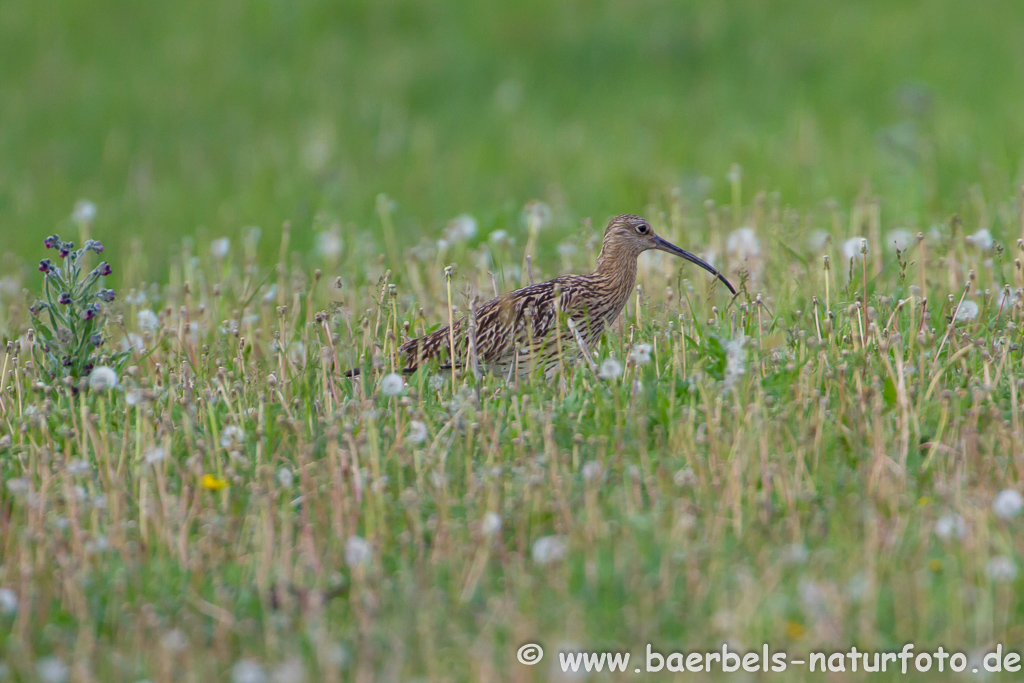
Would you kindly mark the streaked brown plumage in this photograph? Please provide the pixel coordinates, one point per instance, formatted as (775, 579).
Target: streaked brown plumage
(521, 329)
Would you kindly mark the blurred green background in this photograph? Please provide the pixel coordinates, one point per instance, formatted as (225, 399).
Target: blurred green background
(195, 117)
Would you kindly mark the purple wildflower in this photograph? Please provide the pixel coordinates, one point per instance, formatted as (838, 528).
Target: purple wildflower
(65, 249)
(52, 242)
(96, 339)
(107, 295)
(91, 311)
(45, 265)
(64, 298)
(93, 245)
(103, 269)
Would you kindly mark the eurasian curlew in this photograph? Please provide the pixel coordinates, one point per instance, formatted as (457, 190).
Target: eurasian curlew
(544, 324)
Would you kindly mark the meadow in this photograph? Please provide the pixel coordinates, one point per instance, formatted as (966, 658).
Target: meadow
(832, 458)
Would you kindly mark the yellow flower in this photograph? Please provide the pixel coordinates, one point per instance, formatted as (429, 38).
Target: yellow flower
(794, 630)
(935, 565)
(212, 483)
(923, 500)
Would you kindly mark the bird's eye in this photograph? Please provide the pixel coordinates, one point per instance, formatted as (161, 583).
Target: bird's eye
(642, 229)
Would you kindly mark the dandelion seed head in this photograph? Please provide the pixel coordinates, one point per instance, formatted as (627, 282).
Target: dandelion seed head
(154, 455)
(899, 239)
(174, 641)
(78, 467)
(536, 214)
(685, 477)
(818, 240)
(982, 240)
(52, 670)
(610, 369)
(949, 527)
(392, 384)
(132, 342)
(329, 245)
(102, 378)
(462, 227)
(548, 550)
(1001, 569)
(84, 212)
(852, 248)
(967, 311)
(1007, 504)
(591, 471)
(796, 553)
(490, 524)
(247, 671)
(220, 248)
(147, 320)
(417, 432)
(357, 552)
(641, 354)
(8, 601)
(735, 359)
(285, 477)
(743, 243)
(232, 435)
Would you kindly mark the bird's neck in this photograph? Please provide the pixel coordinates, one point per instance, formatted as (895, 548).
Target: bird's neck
(616, 271)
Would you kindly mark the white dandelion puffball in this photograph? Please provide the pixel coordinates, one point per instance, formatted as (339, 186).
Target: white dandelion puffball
(548, 549)
(591, 471)
(950, 526)
(148, 322)
(536, 214)
(735, 359)
(462, 228)
(392, 384)
(1007, 504)
(818, 240)
(285, 478)
(52, 670)
(329, 245)
(247, 671)
(498, 237)
(8, 601)
(610, 369)
(155, 455)
(1008, 297)
(220, 248)
(132, 342)
(641, 354)
(84, 212)
(102, 378)
(981, 240)
(1001, 569)
(852, 248)
(232, 435)
(743, 243)
(357, 552)
(967, 311)
(417, 432)
(899, 239)
(491, 524)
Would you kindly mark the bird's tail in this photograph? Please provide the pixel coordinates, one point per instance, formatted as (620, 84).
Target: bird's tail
(418, 351)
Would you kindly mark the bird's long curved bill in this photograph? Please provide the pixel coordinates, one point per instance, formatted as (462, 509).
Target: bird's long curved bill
(665, 245)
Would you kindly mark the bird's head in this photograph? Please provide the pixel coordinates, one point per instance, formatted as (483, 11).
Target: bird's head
(627, 236)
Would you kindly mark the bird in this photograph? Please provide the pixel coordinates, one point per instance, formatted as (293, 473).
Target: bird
(517, 332)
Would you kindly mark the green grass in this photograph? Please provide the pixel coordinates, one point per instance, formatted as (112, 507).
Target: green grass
(799, 493)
